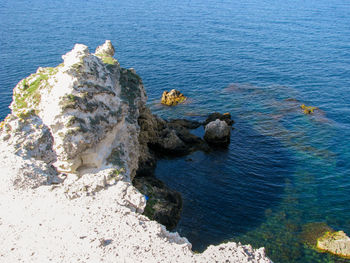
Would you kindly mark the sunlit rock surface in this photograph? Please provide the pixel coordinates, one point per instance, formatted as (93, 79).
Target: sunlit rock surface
(217, 132)
(172, 97)
(337, 243)
(68, 153)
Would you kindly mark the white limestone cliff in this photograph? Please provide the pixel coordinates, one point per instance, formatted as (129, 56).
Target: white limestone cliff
(68, 153)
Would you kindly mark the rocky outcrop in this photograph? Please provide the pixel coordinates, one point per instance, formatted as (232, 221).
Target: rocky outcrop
(88, 108)
(68, 154)
(163, 204)
(159, 138)
(166, 138)
(322, 238)
(217, 133)
(337, 243)
(172, 98)
(222, 117)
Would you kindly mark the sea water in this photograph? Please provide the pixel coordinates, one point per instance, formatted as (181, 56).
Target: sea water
(258, 60)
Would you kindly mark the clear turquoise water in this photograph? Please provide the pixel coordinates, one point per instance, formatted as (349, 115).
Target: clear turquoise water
(283, 169)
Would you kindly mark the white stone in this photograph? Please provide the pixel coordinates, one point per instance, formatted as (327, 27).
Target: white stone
(106, 49)
(61, 199)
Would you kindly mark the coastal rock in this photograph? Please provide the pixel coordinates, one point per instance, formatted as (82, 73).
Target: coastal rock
(188, 124)
(150, 128)
(68, 153)
(88, 107)
(165, 138)
(308, 109)
(172, 98)
(337, 243)
(106, 49)
(163, 205)
(217, 133)
(222, 117)
(321, 237)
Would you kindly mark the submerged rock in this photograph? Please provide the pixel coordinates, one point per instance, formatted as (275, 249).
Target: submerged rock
(337, 243)
(308, 109)
(217, 133)
(172, 98)
(312, 231)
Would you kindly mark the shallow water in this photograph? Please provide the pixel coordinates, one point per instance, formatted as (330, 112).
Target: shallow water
(258, 60)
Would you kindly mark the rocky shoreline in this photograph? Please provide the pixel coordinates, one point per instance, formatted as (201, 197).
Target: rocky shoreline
(166, 139)
(79, 134)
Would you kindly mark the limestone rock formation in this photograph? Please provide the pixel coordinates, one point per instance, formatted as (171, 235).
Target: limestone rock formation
(217, 133)
(88, 108)
(106, 49)
(337, 243)
(68, 154)
(172, 98)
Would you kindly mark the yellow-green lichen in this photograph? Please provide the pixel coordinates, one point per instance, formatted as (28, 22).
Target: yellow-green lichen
(28, 94)
(107, 59)
(308, 109)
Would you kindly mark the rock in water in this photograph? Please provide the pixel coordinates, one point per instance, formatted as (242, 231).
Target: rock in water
(217, 133)
(337, 243)
(172, 98)
(222, 117)
(308, 109)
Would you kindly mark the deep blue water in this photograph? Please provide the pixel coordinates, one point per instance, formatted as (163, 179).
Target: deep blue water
(258, 60)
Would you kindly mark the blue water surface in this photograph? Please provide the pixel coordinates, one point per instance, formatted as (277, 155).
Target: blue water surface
(258, 60)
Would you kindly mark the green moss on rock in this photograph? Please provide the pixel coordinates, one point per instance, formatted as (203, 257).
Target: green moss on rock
(28, 94)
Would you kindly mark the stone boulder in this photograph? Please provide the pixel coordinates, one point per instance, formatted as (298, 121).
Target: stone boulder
(172, 98)
(337, 243)
(222, 117)
(217, 133)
